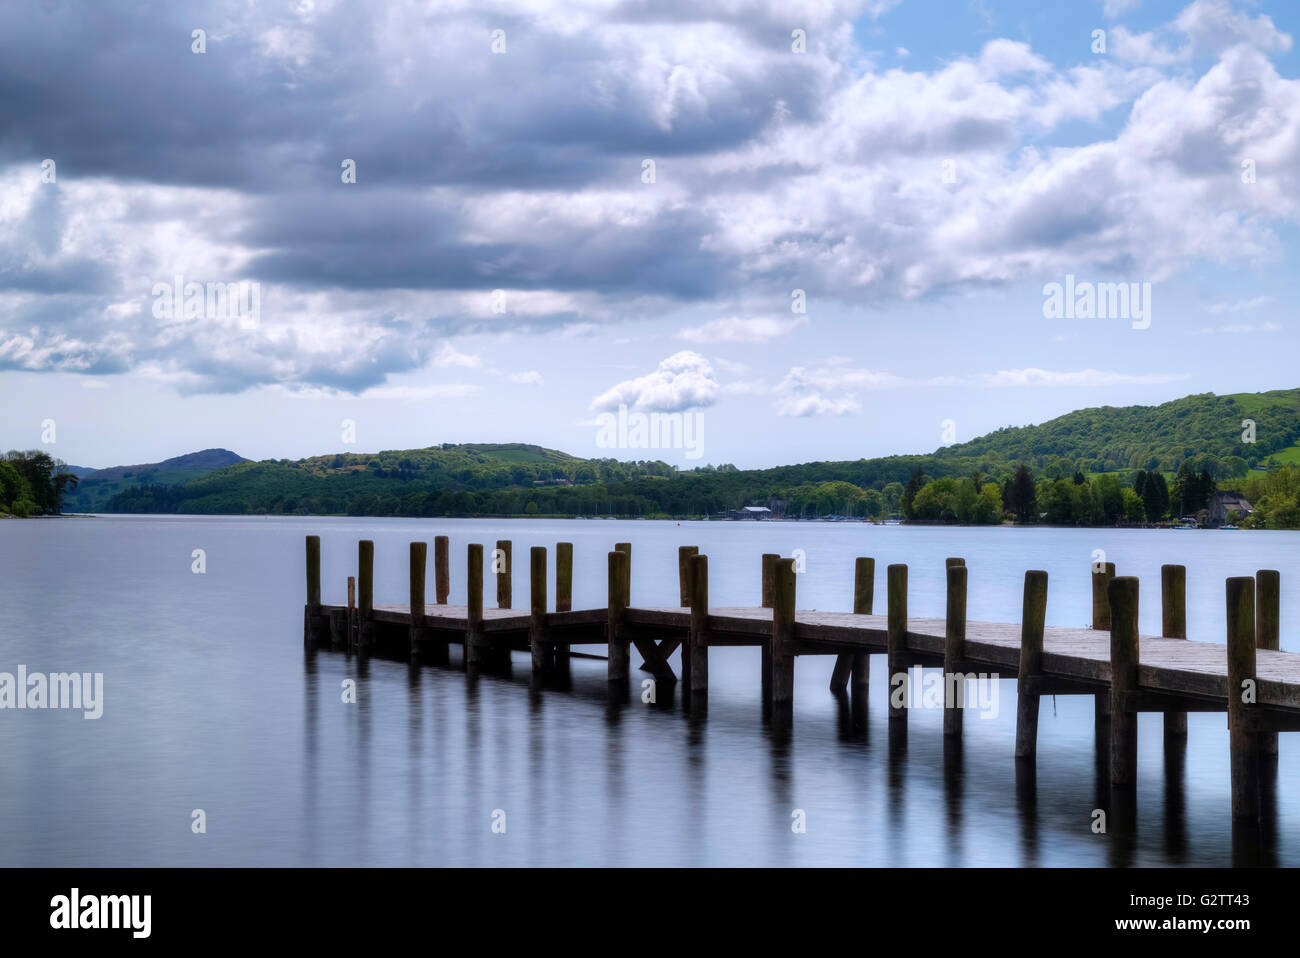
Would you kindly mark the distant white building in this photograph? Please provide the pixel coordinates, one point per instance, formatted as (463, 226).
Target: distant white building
(750, 512)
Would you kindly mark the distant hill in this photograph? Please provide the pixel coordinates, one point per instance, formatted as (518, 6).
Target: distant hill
(1203, 431)
(1112, 438)
(98, 486)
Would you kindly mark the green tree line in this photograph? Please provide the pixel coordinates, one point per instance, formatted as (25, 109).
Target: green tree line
(33, 483)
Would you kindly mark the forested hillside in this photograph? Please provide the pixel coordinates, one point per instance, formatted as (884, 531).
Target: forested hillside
(1096, 466)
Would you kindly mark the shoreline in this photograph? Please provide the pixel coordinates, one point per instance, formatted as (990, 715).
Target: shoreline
(920, 523)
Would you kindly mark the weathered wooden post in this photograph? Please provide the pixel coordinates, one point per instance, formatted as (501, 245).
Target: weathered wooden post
(474, 641)
(616, 622)
(503, 566)
(684, 554)
(626, 549)
(312, 617)
(851, 664)
(782, 643)
(538, 639)
(1268, 613)
(951, 561)
(563, 600)
(351, 612)
(896, 639)
(1122, 601)
(341, 621)
(698, 639)
(1033, 616)
(563, 576)
(1102, 573)
(1243, 740)
(365, 592)
(441, 569)
(419, 560)
(864, 590)
(1173, 625)
(768, 579)
(954, 650)
(768, 599)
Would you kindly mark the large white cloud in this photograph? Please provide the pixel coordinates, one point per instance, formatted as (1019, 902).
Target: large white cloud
(683, 380)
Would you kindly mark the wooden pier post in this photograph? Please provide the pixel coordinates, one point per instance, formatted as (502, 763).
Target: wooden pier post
(851, 664)
(1173, 625)
(350, 621)
(697, 640)
(505, 582)
(441, 569)
(626, 549)
(864, 591)
(337, 620)
(1268, 613)
(365, 592)
(896, 639)
(1243, 740)
(768, 599)
(1100, 595)
(563, 599)
(954, 642)
(782, 643)
(563, 576)
(538, 639)
(312, 618)
(1033, 617)
(616, 630)
(768, 579)
(313, 571)
(1102, 573)
(475, 651)
(419, 560)
(951, 561)
(1122, 601)
(684, 554)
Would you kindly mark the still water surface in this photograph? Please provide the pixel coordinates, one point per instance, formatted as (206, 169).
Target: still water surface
(211, 703)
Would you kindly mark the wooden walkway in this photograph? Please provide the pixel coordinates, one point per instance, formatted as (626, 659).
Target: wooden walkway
(1256, 685)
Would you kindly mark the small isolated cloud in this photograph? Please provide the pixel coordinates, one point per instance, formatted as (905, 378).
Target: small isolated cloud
(828, 390)
(1240, 328)
(735, 329)
(741, 387)
(1082, 377)
(449, 356)
(531, 377)
(1236, 306)
(404, 393)
(816, 404)
(1116, 8)
(683, 380)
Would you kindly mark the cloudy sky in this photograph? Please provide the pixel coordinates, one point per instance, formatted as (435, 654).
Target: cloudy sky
(822, 227)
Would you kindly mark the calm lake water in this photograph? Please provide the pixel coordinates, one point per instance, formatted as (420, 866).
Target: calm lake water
(211, 703)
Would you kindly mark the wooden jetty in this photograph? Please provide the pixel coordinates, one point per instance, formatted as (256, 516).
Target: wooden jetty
(1257, 686)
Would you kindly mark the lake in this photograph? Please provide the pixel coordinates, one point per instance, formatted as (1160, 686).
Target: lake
(210, 703)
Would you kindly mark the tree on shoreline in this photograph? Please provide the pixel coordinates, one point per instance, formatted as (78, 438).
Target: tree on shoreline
(33, 482)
